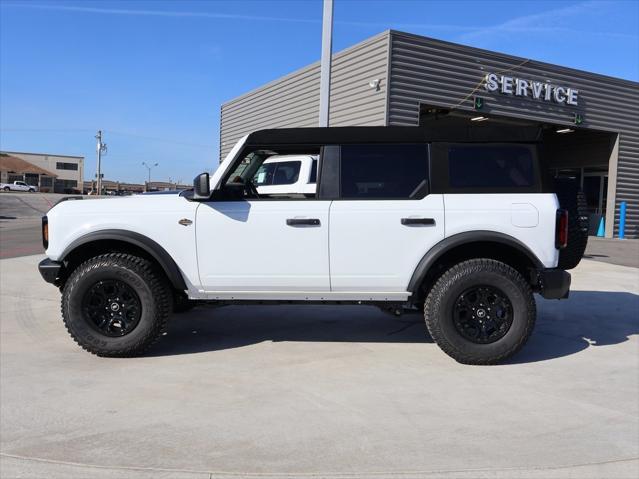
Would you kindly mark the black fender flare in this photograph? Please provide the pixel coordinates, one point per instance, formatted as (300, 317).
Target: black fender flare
(445, 245)
(145, 243)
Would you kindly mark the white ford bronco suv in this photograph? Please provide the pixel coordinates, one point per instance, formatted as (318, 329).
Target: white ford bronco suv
(400, 217)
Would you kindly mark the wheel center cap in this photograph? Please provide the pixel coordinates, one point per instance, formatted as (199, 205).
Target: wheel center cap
(481, 313)
(115, 306)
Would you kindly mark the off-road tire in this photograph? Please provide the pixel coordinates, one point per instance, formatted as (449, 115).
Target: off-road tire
(137, 273)
(571, 198)
(439, 304)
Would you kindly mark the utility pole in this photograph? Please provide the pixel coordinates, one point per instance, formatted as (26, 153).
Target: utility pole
(101, 148)
(325, 65)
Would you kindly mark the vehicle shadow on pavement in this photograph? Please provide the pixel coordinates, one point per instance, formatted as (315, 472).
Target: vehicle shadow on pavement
(588, 318)
(211, 329)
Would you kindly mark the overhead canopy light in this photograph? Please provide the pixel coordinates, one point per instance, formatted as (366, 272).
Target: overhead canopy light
(565, 130)
(479, 118)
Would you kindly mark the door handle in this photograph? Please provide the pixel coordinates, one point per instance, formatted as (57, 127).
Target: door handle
(302, 222)
(418, 221)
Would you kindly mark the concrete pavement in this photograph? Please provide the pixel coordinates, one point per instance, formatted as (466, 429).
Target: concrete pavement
(321, 391)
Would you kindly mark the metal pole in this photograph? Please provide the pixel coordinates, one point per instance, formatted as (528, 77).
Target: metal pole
(99, 176)
(325, 65)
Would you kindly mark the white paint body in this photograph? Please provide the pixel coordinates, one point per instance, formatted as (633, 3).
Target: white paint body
(360, 250)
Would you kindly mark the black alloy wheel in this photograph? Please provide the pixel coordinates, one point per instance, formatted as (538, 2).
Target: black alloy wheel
(112, 307)
(483, 314)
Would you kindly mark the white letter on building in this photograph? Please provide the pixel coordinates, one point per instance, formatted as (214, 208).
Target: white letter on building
(536, 90)
(560, 94)
(491, 82)
(522, 87)
(572, 96)
(548, 91)
(507, 85)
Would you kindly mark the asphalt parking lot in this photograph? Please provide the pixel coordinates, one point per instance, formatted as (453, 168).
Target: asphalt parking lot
(321, 391)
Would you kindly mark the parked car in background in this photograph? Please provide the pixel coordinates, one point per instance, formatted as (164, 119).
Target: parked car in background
(286, 175)
(18, 186)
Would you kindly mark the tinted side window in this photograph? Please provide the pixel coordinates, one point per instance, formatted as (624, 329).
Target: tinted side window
(384, 171)
(264, 175)
(490, 167)
(286, 172)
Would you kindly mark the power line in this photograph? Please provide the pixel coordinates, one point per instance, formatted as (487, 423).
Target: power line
(166, 140)
(112, 132)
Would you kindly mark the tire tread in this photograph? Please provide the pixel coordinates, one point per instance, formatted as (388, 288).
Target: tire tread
(432, 306)
(156, 283)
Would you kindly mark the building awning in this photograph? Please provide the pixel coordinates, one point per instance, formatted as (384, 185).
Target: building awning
(14, 164)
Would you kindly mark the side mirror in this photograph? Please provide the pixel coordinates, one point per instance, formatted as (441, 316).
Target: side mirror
(201, 187)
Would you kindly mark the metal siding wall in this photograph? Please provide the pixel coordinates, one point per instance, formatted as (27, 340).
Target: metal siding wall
(293, 100)
(438, 73)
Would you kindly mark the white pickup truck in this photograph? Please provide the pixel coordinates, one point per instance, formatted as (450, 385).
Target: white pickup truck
(464, 230)
(18, 186)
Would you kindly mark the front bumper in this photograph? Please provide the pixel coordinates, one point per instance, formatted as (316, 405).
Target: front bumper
(50, 270)
(554, 283)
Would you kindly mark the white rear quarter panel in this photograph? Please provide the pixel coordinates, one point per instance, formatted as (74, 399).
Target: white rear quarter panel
(529, 218)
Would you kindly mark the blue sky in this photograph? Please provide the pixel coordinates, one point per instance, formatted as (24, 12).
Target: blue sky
(153, 74)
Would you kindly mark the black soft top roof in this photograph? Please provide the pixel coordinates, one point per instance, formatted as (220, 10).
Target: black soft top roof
(394, 134)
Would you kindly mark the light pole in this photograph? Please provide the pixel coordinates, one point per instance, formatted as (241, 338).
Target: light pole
(148, 167)
(325, 64)
(101, 148)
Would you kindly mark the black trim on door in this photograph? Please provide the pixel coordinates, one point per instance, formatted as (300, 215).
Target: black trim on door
(329, 174)
(418, 221)
(303, 222)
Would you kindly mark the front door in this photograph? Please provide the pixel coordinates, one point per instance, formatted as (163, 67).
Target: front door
(279, 247)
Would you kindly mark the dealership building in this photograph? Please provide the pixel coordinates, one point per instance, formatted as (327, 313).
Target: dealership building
(588, 123)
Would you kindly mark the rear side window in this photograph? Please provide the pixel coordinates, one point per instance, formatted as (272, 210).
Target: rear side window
(490, 167)
(384, 171)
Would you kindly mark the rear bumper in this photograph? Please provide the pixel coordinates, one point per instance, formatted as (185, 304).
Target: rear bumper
(50, 270)
(554, 283)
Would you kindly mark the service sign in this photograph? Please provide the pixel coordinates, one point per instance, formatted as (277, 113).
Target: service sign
(536, 90)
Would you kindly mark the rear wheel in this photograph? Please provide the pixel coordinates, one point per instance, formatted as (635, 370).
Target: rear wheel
(6, 188)
(116, 304)
(480, 311)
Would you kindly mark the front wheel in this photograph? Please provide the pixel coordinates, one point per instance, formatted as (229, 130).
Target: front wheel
(480, 311)
(116, 304)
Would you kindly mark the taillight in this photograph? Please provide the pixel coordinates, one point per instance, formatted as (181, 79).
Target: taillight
(45, 232)
(561, 229)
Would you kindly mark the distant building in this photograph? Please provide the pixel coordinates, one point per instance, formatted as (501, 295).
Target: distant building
(59, 173)
(13, 169)
(116, 187)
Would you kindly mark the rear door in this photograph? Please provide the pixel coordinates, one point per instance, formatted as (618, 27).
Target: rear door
(384, 219)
